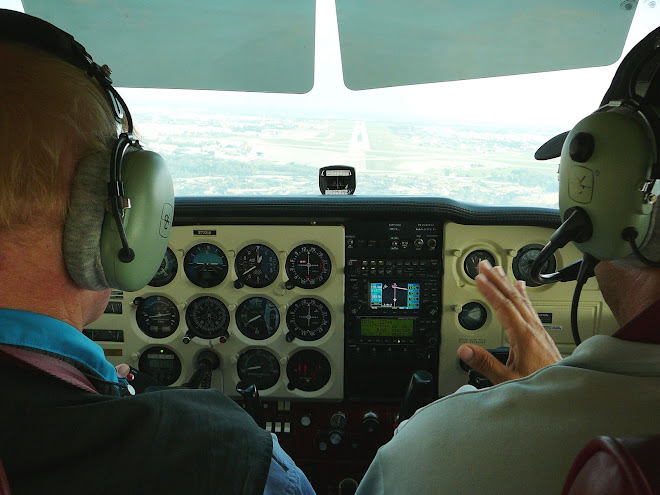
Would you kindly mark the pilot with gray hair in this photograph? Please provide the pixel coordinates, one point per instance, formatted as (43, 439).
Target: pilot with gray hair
(522, 434)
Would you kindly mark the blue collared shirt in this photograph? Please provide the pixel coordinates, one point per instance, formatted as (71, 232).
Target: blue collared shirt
(25, 329)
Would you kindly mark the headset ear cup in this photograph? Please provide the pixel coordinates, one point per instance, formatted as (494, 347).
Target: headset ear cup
(147, 223)
(82, 229)
(607, 184)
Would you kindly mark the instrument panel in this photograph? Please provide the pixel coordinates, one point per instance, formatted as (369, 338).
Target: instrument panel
(333, 312)
(268, 300)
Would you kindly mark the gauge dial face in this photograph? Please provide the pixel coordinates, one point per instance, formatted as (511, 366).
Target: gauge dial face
(473, 316)
(308, 319)
(308, 266)
(257, 318)
(205, 265)
(308, 370)
(257, 265)
(207, 317)
(161, 364)
(157, 316)
(472, 260)
(522, 263)
(258, 367)
(167, 271)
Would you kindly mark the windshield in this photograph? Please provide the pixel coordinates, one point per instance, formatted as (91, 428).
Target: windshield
(471, 140)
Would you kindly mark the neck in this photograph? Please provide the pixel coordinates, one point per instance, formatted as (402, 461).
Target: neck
(628, 291)
(33, 278)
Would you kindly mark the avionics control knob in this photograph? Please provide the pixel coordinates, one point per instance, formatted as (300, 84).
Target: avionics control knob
(353, 308)
(432, 310)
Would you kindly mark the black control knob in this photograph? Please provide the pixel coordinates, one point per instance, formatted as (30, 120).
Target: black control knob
(432, 310)
(370, 423)
(288, 285)
(581, 147)
(238, 284)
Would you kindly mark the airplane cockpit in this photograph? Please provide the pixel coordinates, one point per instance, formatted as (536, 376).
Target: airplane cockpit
(340, 170)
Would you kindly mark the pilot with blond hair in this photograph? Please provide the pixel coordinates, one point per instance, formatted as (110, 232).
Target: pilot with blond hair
(69, 424)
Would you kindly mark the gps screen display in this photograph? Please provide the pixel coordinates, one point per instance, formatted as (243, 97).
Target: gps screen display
(394, 295)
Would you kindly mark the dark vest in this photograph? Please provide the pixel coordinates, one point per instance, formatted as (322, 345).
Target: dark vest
(55, 438)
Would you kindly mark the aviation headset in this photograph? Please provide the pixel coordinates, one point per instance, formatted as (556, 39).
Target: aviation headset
(121, 206)
(608, 167)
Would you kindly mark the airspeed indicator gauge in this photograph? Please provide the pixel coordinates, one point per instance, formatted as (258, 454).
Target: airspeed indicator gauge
(308, 266)
(167, 270)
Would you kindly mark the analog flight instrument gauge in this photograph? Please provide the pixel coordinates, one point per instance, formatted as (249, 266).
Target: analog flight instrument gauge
(157, 316)
(258, 367)
(167, 270)
(308, 370)
(473, 316)
(160, 363)
(522, 263)
(257, 318)
(308, 266)
(256, 266)
(308, 319)
(472, 260)
(207, 317)
(205, 265)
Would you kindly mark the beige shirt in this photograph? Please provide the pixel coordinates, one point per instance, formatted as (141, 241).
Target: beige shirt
(522, 436)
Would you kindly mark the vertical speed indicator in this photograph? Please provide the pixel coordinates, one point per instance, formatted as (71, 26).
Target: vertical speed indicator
(308, 266)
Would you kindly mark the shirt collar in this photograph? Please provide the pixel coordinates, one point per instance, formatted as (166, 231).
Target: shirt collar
(32, 330)
(643, 327)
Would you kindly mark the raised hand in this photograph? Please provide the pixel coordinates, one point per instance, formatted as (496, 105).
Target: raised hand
(531, 346)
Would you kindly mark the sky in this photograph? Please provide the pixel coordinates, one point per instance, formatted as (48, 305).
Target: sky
(555, 100)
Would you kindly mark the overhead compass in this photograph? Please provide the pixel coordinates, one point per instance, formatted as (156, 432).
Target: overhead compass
(308, 266)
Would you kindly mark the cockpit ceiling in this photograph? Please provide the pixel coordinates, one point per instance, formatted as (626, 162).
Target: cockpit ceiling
(268, 46)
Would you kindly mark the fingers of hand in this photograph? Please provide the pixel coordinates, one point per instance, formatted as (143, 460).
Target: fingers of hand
(485, 363)
(122, 370)
(510, 303)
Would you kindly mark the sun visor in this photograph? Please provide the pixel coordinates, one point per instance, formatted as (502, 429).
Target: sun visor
(392, 42)
(205, 44)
